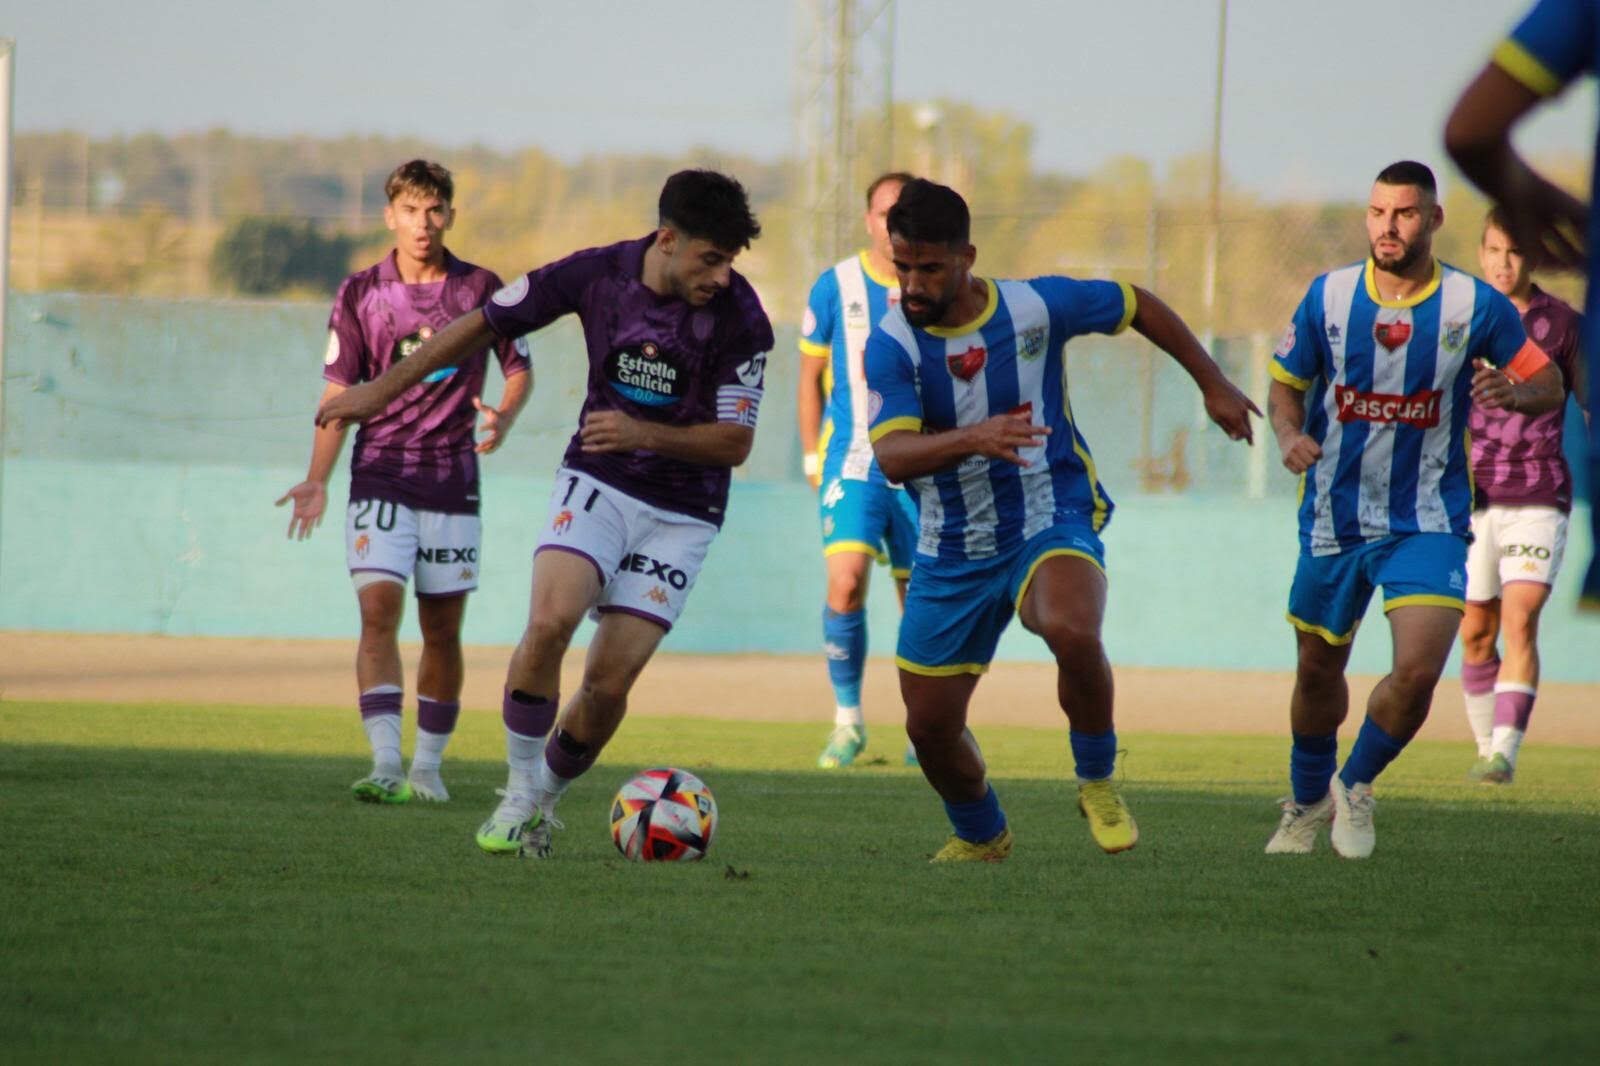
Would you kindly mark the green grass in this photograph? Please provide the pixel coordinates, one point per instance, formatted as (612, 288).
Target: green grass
(195, 885)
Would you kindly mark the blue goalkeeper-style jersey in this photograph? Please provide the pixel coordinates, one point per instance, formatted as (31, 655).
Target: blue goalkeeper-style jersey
(1010, 359)
(1388, 388)
(847, 300)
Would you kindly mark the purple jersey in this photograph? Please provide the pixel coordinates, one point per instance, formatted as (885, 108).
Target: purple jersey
(652, 357)
(1516, 458)
(419, 450)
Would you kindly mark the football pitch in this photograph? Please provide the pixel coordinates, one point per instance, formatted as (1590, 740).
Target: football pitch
(194, 884)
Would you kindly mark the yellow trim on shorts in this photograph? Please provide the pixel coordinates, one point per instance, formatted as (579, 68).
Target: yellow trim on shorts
(976, 324)
(894, 425)
(1319, 631)
(1278, 373)
(1130, 307)
(1511, 57)
(900, 575)
(953, 670)
(814, 349)
(1026, 581)
(861, 547)
(1424, 599)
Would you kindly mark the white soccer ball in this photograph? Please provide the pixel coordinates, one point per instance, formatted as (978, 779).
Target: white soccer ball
(663, 815)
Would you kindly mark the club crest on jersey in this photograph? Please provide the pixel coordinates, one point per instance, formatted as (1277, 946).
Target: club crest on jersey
(1030, 345)
(563, 522)
(1455, 336)
(1392, 334)
(1420, 409)
(363, 545)
(965, 365)
(645, 375)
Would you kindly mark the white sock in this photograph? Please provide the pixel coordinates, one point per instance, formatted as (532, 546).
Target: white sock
(430, 750)
(1480, 713)
(525, 755)
(848, 716)
(1507, 739)
(383, 733)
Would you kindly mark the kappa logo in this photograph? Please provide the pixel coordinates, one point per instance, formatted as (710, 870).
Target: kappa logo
(1392, 335)
(658, 594)
(1030, 345)
(966, 364)
(363, 545)
(1420, 409)
(563, 522)
(465, 575)
(1455, 336)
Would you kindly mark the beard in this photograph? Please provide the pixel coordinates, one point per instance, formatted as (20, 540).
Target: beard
(930, 313)
(1397, 264)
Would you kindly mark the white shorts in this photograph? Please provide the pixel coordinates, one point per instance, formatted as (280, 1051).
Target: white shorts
(647, 558)
(390, 541)
(1514, 544)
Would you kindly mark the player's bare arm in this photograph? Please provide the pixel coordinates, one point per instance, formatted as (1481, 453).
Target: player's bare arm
(905, 454)
(311, 495)
(709, 443)
(497, 421)
(1225, 404)
(808, 404)
(1286, 413)
(1478, 138)
(1495, 389)
(467, 334)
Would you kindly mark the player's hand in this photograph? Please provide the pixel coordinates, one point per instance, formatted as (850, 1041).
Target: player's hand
(1492, 388)
(492, 430)
(1004, 437)
(310, 501)
(1551, 221)
(358, 403)
(1300, 452)
(1230, 409)
(611, 431)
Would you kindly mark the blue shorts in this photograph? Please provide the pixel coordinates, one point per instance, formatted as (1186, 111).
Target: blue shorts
(875, 520)
(1331, 592)
(956, 609)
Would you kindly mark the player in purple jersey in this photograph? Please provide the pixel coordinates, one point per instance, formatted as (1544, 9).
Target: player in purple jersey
(414, 476)
(677, 343)
(1519, 527)
(1554, 44)
(1370, 390)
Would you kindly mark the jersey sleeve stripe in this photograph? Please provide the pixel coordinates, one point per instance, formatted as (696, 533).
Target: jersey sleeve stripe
(1278, 373)
(1520, 63)
(815, 350)
(894, 425)
(1529, 360)
(1130, 307)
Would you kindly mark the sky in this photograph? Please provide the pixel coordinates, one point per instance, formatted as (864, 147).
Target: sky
(1318, 96)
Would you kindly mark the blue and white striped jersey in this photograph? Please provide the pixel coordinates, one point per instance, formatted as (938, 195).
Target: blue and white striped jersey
(1388, 386)
(847, 300)
(1009, 360)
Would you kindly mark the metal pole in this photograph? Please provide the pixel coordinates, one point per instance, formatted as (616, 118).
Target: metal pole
(1214, 230)
(888, 94)
(843, 149)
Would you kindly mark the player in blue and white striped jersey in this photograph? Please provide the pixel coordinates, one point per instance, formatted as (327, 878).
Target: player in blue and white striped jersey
(1372, 385)
(864, 518)
(969, 407)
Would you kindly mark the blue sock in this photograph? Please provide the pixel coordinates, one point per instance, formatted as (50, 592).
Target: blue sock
(1374, 749)
(1312, 761)
(844, 639)
(977, 821)
(1094, 754)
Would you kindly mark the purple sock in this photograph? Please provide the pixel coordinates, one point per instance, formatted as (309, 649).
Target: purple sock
(437, 716)
(1478, 678)
(568, 758)
(373, 703)
(1513, 705)
(528, 716)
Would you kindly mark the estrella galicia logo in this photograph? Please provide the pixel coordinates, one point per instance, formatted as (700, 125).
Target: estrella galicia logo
(408, 345)
(644, 374)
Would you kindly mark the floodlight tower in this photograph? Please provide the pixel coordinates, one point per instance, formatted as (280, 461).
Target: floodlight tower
(846, 57)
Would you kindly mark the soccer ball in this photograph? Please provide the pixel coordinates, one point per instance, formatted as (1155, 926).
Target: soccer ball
(663, 815)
